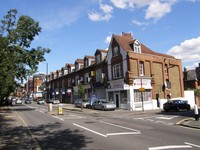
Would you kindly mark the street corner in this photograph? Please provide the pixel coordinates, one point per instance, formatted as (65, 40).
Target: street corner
(189, 123)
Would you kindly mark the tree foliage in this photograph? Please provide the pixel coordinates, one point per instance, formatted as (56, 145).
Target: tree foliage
(17, 59)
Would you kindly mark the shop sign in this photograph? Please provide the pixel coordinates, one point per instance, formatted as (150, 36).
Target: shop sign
(145, 83)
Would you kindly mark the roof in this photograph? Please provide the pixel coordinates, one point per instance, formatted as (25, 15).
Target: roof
(79, 61)
(191, 75)
(92, 57)
(126, 40)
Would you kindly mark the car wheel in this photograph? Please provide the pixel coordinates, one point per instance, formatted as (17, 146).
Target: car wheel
(188, 109)
(93, 107)
(103, 108)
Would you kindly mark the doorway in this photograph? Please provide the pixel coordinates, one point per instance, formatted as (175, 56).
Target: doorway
(117, 100)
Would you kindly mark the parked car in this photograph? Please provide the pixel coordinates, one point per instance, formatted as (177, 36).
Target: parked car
(176, 105)
(28, 101)
(18, 101)
(78, 103)
(55, 101)
(41, 101)
(102, 104)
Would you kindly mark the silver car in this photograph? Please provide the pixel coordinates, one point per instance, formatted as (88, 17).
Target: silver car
(78, 103)
(102, 104)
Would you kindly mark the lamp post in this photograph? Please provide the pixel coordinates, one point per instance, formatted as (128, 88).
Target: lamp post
(46, 81)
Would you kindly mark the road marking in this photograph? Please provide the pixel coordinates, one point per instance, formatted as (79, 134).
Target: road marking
(29, 131)
(170, 147)
(110, 134)
(166, 118)
(58, 118)
(136, 131)
(192, 144)
(89, 130)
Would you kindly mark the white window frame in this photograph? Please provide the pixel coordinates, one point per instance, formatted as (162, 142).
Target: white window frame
(98, 58)
(116, 71)
(137, 47)
(115, 51)
(141, 68)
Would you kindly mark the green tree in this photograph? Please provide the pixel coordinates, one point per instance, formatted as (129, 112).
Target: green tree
(81, 92)
(17, 59)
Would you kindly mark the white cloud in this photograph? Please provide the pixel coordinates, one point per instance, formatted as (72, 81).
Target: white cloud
(192, 66)
(139, 23)
(188, 51)
(130, 4)
(106, 8)
(156, 9)
(95, 16)
(58, 18)
(108, 39)
(105, 15)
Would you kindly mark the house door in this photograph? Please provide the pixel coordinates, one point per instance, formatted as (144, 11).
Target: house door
(117, 99)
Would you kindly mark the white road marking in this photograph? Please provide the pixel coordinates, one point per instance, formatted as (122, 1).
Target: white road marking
(170, 147)
(58, 118)
(110, 134)
(192, 144)
(166, 118)
(136, 131)
(89, 130)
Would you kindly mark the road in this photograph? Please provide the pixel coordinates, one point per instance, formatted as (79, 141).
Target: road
(99, 130)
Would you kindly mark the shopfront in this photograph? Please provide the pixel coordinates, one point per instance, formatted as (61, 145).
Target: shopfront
(135, 97)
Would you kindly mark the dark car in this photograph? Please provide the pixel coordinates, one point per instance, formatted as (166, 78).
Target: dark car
(176, 105)
(28, 101)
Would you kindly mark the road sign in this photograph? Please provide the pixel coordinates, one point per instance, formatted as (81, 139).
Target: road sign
(141, 89)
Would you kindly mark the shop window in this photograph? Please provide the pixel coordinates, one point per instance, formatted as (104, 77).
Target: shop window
(146, 95)
(123, 96)
(110, 97)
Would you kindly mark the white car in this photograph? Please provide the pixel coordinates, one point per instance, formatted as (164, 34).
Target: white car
(18, 101)
(55, 101)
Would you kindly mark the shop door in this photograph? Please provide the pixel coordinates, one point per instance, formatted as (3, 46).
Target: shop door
(117, 99)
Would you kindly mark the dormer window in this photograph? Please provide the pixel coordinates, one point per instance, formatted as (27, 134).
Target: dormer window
(86, 62)
(98, 58)
(115, 51)
(137, 46)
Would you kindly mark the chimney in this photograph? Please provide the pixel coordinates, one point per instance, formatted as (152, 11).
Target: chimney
(126, 35)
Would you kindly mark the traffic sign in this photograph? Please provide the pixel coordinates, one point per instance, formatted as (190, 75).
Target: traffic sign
(141, 89)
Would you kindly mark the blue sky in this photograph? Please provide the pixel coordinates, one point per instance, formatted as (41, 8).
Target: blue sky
(75, 28)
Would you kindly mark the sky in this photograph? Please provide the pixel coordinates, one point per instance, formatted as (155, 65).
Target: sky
(73, 29)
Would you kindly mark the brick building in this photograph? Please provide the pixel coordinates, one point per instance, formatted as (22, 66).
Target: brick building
(129, 74)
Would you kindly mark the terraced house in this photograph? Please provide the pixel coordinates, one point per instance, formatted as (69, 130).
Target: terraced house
(129, 74)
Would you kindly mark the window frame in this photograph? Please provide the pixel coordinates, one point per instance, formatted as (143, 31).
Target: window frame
(117, 71)
(141, 69)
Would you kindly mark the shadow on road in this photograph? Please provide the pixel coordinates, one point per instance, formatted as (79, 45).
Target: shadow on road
(14, 136)
(182, 113)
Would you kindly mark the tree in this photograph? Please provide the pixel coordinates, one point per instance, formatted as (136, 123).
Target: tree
(17, 59)
(81, 92)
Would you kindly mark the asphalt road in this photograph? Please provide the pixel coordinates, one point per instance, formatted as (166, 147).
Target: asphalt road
(98, 130)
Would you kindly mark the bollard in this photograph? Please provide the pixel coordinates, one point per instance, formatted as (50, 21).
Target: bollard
(196, 113)
(60, 109)
(49, 107)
